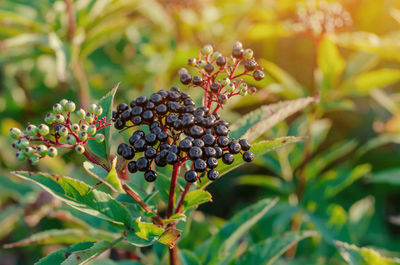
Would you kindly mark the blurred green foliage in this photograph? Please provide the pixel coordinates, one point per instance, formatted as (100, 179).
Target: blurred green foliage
(342, 181)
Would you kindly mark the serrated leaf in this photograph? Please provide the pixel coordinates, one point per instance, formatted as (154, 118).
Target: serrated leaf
(169, 237)
(80, 196)
(257, 122)
(112, 176)
(223, 244)
(57, 257)
(176, 217)
(62, 236)
(195, 198)
(268, 251)
(103, 149)
(147, 231)
(363, 256)
(86, 255)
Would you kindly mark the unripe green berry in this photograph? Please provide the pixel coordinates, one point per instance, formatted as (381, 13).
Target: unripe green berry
(252, 90)
(202, 63)
(41, 150)
(98, 111)
(216, 55)
(49, 118)
(99, 138)
(70, 106)
(57, 108)
(60, 118)
(248, 54)
(29, 151)
(92, 130)
(52, 152)
(243, 85)
(63, 131)
(243, 92)
(23, 143)
(15, 144)
(75, 127)
(80, 149)
(71, 140)
(237, 45)
(225, 81)
(84, 127)
(230, 87)
(20, 156)
(43, 129)
(34, 160)
(192, 61)
(15, 133)
(89, 118)
(207, 49)
(81, 113)
(83, 136)
(63, 102)
(31, 130)
(92, 108)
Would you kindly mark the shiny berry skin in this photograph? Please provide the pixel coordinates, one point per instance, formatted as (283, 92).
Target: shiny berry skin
(150, 176)
(137, 120)
(162, 136)
(140, 145)
(191, 176)
(215, 87)
(196, 131)
(221, 130)
(119, 124)
(137, 110)
(122, 107)
(156, 98)
(195, 152)
(128, 153)
(132, 167)
(250, 65)
(148, 115)
(228, 158)
(220, 61)
(222, 99)
(218, 152)
(172, 158)
(234, 147)
(174, 149)
(185, 145)
(223, 141)
(150, 153)
(161, 109)
(208, 139)
(121, 148)
(161, 162)
(258, 75)
(209, 68)
(200, 165)
(210, 152)
(126, 115)
(198, 142)
(213, 175)
(141, 101)
(142, 164)
(197, 80)
(237, 53)
(248, 156)
(212, 162)
(151, 139)
(185, 78)
(244, 144)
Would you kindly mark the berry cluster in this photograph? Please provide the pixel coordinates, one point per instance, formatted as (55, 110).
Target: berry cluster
(217, 74)
(179, 132)
(59, 131)
(318, 19)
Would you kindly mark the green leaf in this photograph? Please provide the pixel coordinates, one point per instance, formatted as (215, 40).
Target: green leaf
(112, 177)
(80, 196)
(98, 173)
(147, 231)
(188, 258)
(61, 58)
(258, 149)
(63, 236)
(86, 255)
(376, 142)
(176, 217)
(169, 237)
(365, 82)
(223, 244)
(57, 257)
(111, 262)
(329, 60)
(260, 181)
(389, 176)
(257, 122)
(8, 219)
(195, 198)
(103, 149)
(354, 255)
(272, 248)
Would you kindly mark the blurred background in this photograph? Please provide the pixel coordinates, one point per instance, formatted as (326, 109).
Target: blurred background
(343, 181)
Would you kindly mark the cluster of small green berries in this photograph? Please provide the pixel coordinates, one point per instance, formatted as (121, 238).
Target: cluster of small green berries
(178, 132)
(320, 18)
(217, 74)
(58, 131)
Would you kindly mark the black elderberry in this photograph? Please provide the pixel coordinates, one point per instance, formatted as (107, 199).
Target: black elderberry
(154, 124)
(258, 75)
(187, 121)
(237, 53)
(150, 153)
(165, 146)
(156, 130)
(156, 98)
(162, 136)
(161, 109)
(185, 78)
(171, 118)
(209, 131)
(138, 134)
(213, 175)
(184, 95)
(234, 147)
(137, 110)
(209, 68)
(197, 80)
(215, 87)
(148, 115)
(189, 109)
(132, 167)
(191, 176)
(175, 89)
(150, 176)
(244, 144)
(174, 149)
(222, 122)
(188, 102)
(141, 101)
(198, 142)
(161, 162)
(208, 139)
(151, 139)
(150, 105)
(133, 103)
(140, 145)
(218, 152)
(185, 145)
(114, 115)
(174, 106)
(200, 165)
(126, 115)
(122, 107)
(174, 95)
(196, 131)
(221, 61)
(178, 125)
(228, 158)
(212, 162)
(222, 99)
(121, 148)
(248, 156)
(216, 116)
(164, 153)
(195, 152)
(142, 164)
(223, 141)
(250, 65)
(221, 130)
(137, 120)
(209, 152)
(163, 93)
(172, 158)
(119, 124)
(128, 153)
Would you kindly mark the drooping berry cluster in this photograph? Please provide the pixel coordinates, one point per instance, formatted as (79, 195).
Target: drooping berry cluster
(36, 142)
(179, 132)
(217, 74)
(320, 18)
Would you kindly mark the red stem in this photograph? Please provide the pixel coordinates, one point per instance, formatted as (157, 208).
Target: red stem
(171, 198)
(185, 191)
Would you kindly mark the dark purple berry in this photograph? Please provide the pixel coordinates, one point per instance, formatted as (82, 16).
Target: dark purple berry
(220, 61)
(209, 68)
(121, 148)
(228, 158)
(142, 164)
(209, 152)
(234, 147)
(119, 124)
(148, 115)
(222, 99)
(162, 109)
(215, 87)
(248, 156)
(185, 78)
(200, 165)
(172, 158)
(140, 145)
(161, 162)
(128, 153)
(195, 152)
(150, 176)
(198, 142)
(221, 130)
(137, 120)
(191, 176)
(197, 80)
(223, 141)
(237, 53)
(132, 167)
(122, 107)
(250, 65)
(208, 139)
(156, 98)
(212, 162)
(258, 75)
(151, 139)
(141, 101)
(218, 152)
(185, 145)
(196, 131)
(244, 144)
(162, 136)
(150, 153)
(213, 175)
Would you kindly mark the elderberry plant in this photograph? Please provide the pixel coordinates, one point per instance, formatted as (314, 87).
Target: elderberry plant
(168, 135)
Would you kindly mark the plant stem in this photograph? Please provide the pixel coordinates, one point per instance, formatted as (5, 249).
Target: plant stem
(171, 197)
(71, 19)
(185, 191)
(173, 256)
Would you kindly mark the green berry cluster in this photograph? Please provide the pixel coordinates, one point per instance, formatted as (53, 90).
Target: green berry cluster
(59, 130)
(221, 76)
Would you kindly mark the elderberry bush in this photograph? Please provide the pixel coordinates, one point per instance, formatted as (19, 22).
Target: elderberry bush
(178, 132)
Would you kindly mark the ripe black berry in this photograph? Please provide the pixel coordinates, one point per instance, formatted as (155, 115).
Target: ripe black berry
(150, 153)
(198, 142)
(191, 176)
(222, 99)
(128, 153)
(161, 162)
(218, 152)
(237, 53)
(212, 162)
(208, 139)
(210, 152)
(137, 120)
(156, 98)
(119, 124)
(244, 144)
(185, 145)
(162, 136)
(221, 130)
(234, 147)
(122, 107)
(150, 176)
(172, 158)
(197, 80)
(142, 164)
(250, 65)
(258, 75)
(195, 152)
(223, 141)
(209, 68)
(221, 61)
(185, 78)
(228, 158)
(140, 145)
(162, 109)
(132, 167)
(141, 101)
(151, 139)
(147, 115)
(121, 148)
(196, 131)
(213, 175)
(200, 165)
(126, 115)
(215, 87)
(248, 156)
